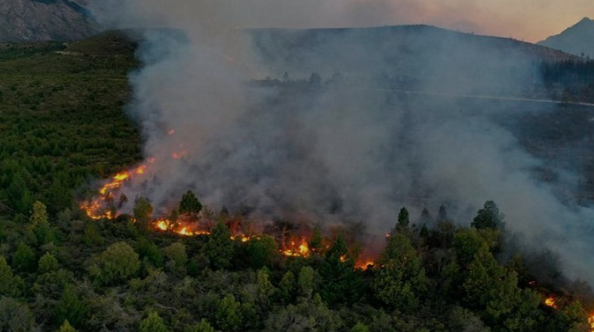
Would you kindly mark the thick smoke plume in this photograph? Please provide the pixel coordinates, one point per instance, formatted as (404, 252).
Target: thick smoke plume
(331, 148)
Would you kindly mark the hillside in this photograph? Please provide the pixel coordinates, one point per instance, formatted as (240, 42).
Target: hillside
(37, 20)
(414, 57)
(577, 39)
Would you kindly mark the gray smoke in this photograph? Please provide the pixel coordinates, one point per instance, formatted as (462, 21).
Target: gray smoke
(342, 148)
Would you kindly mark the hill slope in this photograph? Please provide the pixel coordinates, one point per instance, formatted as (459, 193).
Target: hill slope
(578, 39)
(37, 20)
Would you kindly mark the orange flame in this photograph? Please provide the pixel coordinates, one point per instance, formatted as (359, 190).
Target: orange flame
(364, 265)
(550, 301)
(294, 250)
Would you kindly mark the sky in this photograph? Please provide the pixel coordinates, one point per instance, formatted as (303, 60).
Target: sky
(527, 20)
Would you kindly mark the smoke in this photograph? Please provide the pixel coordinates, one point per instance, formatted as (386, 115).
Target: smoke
(336, 147)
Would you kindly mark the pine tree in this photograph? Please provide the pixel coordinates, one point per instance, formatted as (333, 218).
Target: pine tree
(153, 323)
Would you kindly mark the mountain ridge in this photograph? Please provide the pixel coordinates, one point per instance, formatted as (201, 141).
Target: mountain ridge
(577, 39)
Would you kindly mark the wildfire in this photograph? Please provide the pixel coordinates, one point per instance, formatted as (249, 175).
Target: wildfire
(364, 265)
(105, 207)
(102, 207)
(301, 250)
(550, 301)
(591, 322)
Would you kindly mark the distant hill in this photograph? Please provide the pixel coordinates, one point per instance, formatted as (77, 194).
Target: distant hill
(577, 39)
(40, 20)
(408, 57)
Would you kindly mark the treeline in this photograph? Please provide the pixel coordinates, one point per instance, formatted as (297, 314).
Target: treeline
(70, 273)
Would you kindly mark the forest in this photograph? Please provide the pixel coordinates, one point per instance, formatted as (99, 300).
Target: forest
(62, 129)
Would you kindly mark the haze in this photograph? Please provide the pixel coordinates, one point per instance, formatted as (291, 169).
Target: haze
(529, 20)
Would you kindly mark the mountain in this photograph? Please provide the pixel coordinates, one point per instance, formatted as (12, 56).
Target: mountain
(578, 39)
(408, 57)
(37, 20)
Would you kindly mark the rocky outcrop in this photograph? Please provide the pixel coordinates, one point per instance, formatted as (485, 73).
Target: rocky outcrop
(36, 20)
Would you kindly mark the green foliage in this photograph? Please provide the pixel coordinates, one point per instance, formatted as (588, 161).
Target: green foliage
(70, 308)
(265, 290)
(287, 287)
(403, 218)
(24, 258)
(467, 243)
(153, 323)
(228, 314)
(360, 327)
(178, 258)
(47, 263)
(143, 212)
(150, 250)
(66, 327)
(341, 284)
(400, 282)
(118, 263)
(92, 236)
(40, 225)
(202, 326)
(190, 204)
(219, 248)
(306, 281)
(488, 217)
(262, 251)
(16, 316)
(10, 285)
(482, 279)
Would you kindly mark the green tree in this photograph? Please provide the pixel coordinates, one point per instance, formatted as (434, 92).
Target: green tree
(118, 263)
(178, 257)
(92, 236)
(16, 316)
(262, 251)
(488, 217)
(306, 281)
(467, 242)
(153, 323)
(9, 283)
(228, 314)
(482, 279)
(341, 284)
(265, 288)
(40, 224)
(18, 194)
(66, 327)
(403, 218)
(143, 212)
(360, 327)
(219, 248)
(286, 287)
(23, 258)
(401, 282)
(149, 250)
(190, 204)
(70, 307)
(203, 326)
(47, 263)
